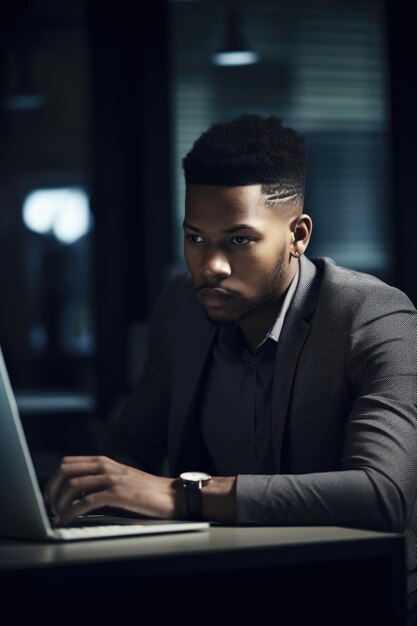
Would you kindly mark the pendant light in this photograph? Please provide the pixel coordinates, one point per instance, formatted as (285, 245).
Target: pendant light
(234, 52)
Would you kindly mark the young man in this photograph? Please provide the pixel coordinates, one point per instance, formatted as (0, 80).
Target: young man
(289, 383)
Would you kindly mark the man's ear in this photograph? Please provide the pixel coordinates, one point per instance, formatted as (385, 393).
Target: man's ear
(301, 228)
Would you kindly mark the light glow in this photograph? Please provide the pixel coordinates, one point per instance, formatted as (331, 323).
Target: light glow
(62, 212)
(38, 212)
(235, 57)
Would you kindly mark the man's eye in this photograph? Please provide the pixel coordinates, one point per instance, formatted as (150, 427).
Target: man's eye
(241, 241)
(194, 238)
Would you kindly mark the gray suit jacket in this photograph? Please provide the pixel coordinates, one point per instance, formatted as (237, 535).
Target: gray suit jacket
(344, 407)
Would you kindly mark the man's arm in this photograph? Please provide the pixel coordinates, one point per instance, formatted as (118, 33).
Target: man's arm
(375, 489)
(82, 484)
(139, 433)
(139, 440)
(377, 485)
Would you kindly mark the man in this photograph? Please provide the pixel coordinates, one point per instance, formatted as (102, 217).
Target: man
(291, 383)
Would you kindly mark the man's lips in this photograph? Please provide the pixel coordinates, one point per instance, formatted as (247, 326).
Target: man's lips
(214, 297)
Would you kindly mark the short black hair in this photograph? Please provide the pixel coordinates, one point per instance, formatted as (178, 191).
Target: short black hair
(249, 150)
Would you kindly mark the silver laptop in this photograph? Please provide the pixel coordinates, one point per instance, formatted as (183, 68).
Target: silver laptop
(23, 513)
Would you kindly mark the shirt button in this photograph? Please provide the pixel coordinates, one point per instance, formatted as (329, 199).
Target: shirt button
(249, 370)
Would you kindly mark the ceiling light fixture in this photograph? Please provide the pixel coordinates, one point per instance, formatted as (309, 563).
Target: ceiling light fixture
(234, 52)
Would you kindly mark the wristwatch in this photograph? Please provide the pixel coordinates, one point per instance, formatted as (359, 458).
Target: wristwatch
(193, 482)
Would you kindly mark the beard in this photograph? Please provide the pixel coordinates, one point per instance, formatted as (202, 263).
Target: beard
(268, 292)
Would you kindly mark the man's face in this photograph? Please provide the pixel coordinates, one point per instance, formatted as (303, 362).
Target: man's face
(237, 249)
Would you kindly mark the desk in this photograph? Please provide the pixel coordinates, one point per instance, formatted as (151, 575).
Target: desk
(305, 575)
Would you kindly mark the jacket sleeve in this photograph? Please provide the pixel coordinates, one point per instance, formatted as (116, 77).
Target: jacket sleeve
(376, 487)
(141, 427)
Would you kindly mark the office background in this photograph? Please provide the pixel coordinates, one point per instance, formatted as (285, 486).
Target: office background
(97, 109)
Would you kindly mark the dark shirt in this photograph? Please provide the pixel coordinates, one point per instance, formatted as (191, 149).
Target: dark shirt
(236, 409)
(237, 400)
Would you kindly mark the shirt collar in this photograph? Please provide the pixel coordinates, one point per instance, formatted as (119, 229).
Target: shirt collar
(275, 330)
(229, 337)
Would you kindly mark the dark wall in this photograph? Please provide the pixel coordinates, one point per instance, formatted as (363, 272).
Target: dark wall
(131, 184)
(402, 51)
(105, 126)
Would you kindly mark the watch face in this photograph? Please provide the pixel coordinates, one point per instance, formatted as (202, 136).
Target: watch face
(194, 477)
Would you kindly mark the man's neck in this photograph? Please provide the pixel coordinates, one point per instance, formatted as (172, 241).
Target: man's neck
(255, 328)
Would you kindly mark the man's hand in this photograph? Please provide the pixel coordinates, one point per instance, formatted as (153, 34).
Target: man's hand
(82, 484)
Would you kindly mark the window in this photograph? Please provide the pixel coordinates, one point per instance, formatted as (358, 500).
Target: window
(322, 69)
(47, 331)
(59, 221)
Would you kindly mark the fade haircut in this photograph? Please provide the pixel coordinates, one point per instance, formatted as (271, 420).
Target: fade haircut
(250, 150)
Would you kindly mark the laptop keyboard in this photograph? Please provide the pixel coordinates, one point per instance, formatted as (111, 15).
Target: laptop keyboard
(90, 532)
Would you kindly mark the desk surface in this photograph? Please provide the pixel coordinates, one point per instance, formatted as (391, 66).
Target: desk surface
(272, 544)
(317, 573)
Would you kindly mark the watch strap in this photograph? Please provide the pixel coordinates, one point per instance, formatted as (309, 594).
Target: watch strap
(193, 501)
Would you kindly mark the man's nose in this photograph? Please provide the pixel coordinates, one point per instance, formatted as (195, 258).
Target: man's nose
(214, 265)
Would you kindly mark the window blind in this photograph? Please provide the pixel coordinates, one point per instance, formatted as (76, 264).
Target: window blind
(323, 70)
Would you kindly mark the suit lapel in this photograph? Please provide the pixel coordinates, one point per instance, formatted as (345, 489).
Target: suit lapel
(293, 336)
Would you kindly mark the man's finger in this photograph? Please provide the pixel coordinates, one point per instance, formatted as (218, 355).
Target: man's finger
(84, 505)
(65, 472)
(77, 489)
